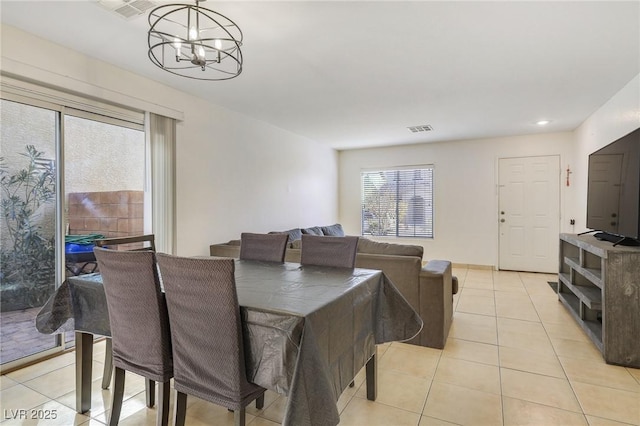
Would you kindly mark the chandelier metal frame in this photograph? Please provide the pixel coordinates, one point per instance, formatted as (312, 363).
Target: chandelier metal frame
(194, 42)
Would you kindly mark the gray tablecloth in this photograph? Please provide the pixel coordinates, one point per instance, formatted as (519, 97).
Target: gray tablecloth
(308, 330)
(79, 304)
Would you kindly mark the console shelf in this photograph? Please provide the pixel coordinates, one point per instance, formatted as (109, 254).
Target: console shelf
(600, 286)
(589, 295)
(593, 275)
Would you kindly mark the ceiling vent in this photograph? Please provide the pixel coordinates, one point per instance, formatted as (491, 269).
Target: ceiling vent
(418, 129)
(127, 9)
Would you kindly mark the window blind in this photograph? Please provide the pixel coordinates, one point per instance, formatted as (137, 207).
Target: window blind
(398, 202)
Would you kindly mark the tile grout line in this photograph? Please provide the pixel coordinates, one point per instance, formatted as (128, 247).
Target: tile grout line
(499, 359)
(584, 415)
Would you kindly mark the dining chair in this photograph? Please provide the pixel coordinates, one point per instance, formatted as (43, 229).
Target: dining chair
(133, 243)
(206, 333)
(329, 251)
(266, 247)
(139, 325)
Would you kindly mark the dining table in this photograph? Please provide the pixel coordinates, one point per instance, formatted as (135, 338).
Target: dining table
(308, 330)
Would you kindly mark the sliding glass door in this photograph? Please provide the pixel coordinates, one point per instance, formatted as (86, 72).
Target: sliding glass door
(68, 177)
(104, 181)
(28, 237)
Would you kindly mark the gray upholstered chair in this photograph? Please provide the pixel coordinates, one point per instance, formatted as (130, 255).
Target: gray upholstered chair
(132, 243)
(139, 324)
(206, 332)
(267, 247)
(329, 251)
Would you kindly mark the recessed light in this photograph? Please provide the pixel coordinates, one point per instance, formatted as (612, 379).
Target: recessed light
(543, 122)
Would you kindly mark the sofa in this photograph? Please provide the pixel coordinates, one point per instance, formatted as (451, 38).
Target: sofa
(429, 289)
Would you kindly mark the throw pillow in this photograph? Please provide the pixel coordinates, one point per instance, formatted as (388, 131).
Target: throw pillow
(333, 230)
(314, 230)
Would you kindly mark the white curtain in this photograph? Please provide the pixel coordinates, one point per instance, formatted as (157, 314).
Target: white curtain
(162, 136)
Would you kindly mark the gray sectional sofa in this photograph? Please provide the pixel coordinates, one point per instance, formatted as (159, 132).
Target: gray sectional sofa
(429, 288)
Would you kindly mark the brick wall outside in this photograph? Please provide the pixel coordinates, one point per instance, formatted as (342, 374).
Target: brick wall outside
(112, 213)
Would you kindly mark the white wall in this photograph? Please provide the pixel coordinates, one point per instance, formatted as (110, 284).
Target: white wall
(238, 175)
(619, 116)
(465, 189)
(234, 173)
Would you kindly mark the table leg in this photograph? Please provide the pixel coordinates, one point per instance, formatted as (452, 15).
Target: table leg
(372, 378)
(84, 355)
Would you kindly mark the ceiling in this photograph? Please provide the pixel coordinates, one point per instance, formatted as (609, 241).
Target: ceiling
(357, 74)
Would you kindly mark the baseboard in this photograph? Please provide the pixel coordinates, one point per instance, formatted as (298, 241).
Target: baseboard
(468, 266)
(472, 266)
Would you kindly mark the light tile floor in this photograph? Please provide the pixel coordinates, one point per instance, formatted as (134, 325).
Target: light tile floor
(514, 357)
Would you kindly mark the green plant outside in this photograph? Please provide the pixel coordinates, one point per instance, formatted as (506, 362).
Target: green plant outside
(27, 262)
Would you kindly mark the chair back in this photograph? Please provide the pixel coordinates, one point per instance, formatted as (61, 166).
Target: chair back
(206, 330)
(132, 243)
(267, 247)
(329, 251)
(137, 312)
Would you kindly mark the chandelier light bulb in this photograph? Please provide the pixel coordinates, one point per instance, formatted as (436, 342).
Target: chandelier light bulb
(177, 44)
(193, 33)
(201, 53)
(218, 44)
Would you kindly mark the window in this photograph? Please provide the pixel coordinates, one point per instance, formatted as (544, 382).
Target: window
(398, 202)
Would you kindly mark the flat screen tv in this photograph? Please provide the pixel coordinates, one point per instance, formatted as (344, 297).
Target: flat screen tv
(613, 195)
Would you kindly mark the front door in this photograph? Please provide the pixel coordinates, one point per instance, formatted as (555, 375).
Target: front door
(529, 213)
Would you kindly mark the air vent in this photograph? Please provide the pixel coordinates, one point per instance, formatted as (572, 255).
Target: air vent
(127, 9)
(418, 129)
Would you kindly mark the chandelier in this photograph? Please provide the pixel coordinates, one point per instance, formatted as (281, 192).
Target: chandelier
(194, 42)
